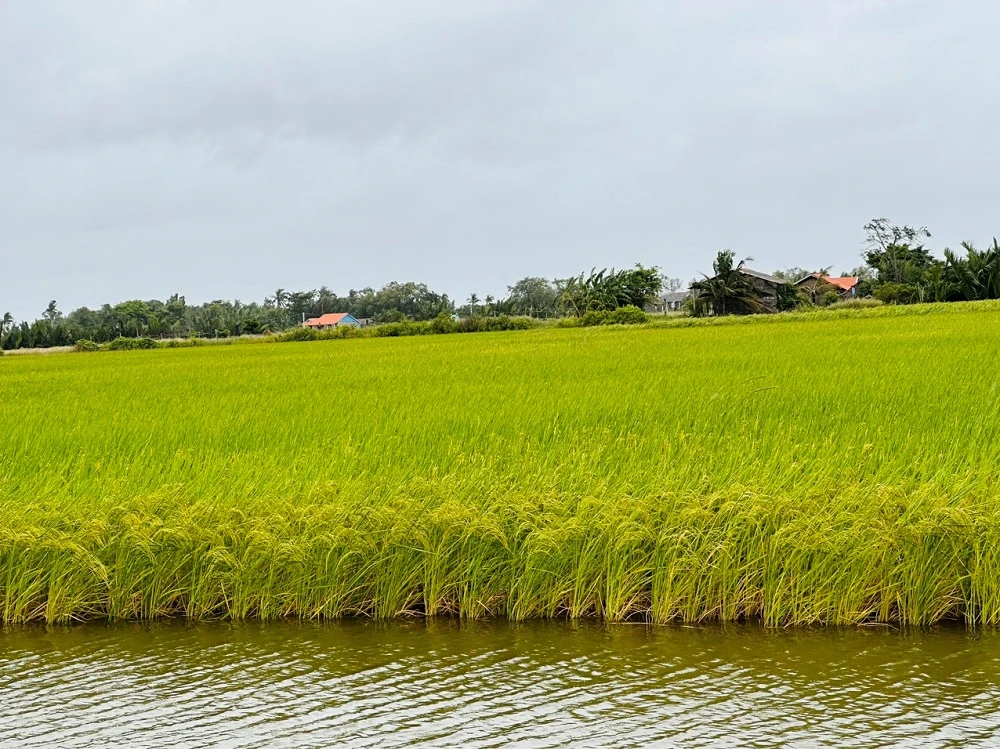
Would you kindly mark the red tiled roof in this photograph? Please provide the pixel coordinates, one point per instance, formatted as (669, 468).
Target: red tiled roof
(844, 282)
(330, 318)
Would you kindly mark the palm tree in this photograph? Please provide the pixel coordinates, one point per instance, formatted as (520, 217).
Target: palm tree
(7, 323)
(280, 298)
(473, 301)
(728, 292)
(489, 303)
(325, 299)
(976, 276)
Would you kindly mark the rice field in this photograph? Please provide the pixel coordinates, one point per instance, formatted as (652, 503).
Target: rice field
(828, 468)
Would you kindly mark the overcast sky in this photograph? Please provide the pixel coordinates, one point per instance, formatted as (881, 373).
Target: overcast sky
(224, 148)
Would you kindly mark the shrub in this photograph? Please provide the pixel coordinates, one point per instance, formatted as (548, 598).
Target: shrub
(182, 342)
(506, 322)
(298, 334)
(121, 343)
(898, 293)
(87, 345)
(627, 315)
(829, 298)
(342, 331)
(404, 328)
(594, 317)
(568, 322)
(443, 324)
(472, 324)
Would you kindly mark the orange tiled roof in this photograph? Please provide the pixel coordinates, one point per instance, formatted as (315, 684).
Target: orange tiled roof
(330, 318)
(844, 282)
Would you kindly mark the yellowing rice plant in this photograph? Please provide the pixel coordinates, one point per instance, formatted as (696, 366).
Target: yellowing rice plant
(837, 468)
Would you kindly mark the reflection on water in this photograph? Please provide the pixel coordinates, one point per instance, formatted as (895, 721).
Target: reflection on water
(492, 684)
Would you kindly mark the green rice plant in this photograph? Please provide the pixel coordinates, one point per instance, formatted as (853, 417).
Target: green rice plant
(835, 467)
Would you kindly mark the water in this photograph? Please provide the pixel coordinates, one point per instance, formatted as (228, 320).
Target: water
(495, 684)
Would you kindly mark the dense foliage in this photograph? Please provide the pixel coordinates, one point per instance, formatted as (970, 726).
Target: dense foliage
(220, 318)
(393, 303)
(608, 290)
(904, 271)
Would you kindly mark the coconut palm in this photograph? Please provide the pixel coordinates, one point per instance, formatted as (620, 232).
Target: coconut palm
(728, 292)
(976, 276)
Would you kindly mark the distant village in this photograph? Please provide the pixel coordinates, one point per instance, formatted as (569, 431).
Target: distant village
(816, 287)
(897, 268)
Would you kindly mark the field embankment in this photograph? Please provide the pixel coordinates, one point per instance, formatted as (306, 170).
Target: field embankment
(799, 470)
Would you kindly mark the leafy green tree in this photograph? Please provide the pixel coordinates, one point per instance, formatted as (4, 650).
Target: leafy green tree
(414, 301)
(175, 309)
(899, 260)
(532, 296)
(896, 253)
(898, 293)
(131, 318)
(639, 286)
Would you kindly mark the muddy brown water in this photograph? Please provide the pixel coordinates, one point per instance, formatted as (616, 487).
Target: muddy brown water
(363, 684)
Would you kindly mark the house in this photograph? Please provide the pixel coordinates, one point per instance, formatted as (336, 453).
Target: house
(766, 285)
(331, 320)
(846, 286)
(672, 301)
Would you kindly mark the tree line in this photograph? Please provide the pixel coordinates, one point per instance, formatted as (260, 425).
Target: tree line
(284, 309)
(905, 271)
(898, 269)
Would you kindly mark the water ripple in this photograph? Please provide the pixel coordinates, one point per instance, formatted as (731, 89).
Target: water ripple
(489, 685)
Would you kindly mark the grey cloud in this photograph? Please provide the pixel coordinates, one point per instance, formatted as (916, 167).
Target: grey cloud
(230, 78)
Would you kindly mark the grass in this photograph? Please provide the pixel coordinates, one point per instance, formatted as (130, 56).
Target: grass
(841, 467)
